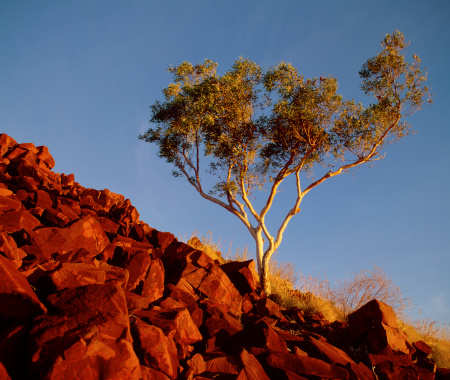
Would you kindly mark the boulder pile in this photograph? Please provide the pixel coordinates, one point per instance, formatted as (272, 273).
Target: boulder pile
(88, 291)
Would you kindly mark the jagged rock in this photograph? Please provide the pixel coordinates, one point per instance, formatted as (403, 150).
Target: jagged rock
(176, 323)
(266, 306)
(384, 339)
(154, 349)
(13, 221)
(17, 300)
(84, 233)
(87, 335)
(242, 274)
(306, 366)
(369, 316)
(13, 338)
(423, 350)
(8, 203)
(4, 373)
(260, 334)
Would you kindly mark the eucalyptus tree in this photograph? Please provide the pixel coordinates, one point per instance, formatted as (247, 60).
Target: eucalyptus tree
(251, 129)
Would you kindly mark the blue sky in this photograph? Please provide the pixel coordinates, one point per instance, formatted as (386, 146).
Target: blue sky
(79, 77)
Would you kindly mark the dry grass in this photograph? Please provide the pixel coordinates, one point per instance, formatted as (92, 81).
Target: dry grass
(436, 335)
(206, 244)
(314, 294)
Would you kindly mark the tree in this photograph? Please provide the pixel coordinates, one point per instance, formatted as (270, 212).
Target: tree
(253, 129)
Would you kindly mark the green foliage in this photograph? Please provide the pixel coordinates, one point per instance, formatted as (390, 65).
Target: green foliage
(252, 121)
(253, 128)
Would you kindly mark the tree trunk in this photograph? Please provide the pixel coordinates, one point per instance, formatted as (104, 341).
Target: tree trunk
(264, 277)
(259, 250)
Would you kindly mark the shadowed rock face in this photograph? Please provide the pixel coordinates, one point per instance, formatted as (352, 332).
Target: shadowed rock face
(88, 291)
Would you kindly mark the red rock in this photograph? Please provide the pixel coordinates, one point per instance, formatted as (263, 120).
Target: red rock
(87, 335)
(423, 350)
(108, 225)
(161, 239)
(44, 156)
(9, 247)
(73, 275)
(27, 166)
(135, 301)
(191, 274)
(260, 334)
(4, 373)
(8, 203)
(124, 212)
(42, 199)
(180, 295)
(6, 143)
(296, 314)
(17, 300)
(383, 338)
(426, 364)
(369, 316)
(153, 285)
(424, 374)
(13, 338)
(217, 286)
(197, 316)
(170, 303)
(176, 324)
(84, 233)
(253, 370)
(100, 357)
(154, 349)
(218, 318)
(299, 352)
(67, 180)
(359, 371)
(13, 221)
(223, 364)
(114, 274)
(196, 366)
(242, 274)
(329, 353)
(152, 374)
(80, 256)
(388, 371)
(443, 374)
(138, 266)
(5, 192)
(306, 366)
(266, 306)
(396, 360)
(52, 217)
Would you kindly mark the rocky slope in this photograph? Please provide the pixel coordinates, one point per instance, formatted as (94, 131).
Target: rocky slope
(87, 291)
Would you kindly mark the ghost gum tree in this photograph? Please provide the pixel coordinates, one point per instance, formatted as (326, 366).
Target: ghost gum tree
(252, 129)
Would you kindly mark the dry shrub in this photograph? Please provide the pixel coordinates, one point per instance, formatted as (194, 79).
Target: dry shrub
(239, 254)
(214, 248)
(318, 297)
(350, 295)
(206, 244)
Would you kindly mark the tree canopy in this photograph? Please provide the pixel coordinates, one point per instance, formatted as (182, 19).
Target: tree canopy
(251, 129)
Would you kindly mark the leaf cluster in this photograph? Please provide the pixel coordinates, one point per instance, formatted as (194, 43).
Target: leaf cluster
(256, 126)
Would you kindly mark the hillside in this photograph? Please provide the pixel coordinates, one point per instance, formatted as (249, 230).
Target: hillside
(88, 291)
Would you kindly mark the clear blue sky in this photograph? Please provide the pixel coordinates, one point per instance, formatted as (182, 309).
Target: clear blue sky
(79, 76)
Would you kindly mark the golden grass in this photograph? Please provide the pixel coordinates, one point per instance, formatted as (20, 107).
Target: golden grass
(432, 333)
